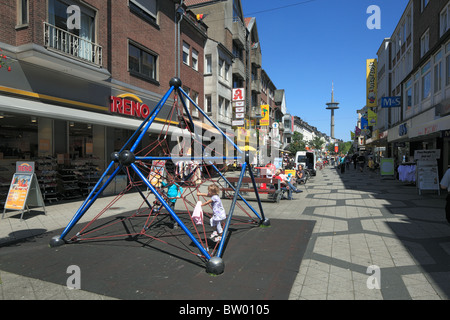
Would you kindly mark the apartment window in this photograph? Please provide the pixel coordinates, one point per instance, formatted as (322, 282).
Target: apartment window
(424, 3)
(236, 11)
(22, 13)
(58, 17)
(408, 95)
(186, 53)
(404, 32)
(146, 9)
(408, 26)
(227, 71)
(194, 97)
(447, 64)
(208, 103)
(237, 51)
(188, 102)
(221, 67)
(438, 72)
(227, 108)
(424, 43)
(221, 107)
(426, 80)
(142, 62)
(416, 88)
(195, 59)
(444, 20)
(208, 62)
(77, 42)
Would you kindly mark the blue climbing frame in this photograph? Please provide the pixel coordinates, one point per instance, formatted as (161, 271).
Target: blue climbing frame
(126, 158)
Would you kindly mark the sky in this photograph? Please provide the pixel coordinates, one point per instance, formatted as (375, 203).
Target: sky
(307, 45)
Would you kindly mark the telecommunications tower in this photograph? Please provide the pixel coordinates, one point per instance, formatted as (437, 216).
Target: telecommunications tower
(332, 106)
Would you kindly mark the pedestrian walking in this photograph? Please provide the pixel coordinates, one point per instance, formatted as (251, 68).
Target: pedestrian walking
(354, 159)
(347, 161)
(361, 162)
(445, 184)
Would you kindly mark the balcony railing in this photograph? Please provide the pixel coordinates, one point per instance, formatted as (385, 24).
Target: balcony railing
(72, 45)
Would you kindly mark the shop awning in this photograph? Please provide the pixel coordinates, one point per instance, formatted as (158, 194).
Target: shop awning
(41, 109)
(430, 127)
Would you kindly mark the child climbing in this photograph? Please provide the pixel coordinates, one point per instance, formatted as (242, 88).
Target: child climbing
(218, 211)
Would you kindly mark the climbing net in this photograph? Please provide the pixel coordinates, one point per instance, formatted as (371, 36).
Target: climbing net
(154, 173)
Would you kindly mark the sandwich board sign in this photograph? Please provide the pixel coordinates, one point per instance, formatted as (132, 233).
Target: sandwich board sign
(427, 177)
(24, 190)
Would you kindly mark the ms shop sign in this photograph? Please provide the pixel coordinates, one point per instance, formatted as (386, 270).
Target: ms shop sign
(390, 102)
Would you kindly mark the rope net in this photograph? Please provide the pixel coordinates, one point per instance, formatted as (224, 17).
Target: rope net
(151, 220)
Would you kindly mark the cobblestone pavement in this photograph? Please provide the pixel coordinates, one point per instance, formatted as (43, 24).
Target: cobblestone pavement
(368, 231)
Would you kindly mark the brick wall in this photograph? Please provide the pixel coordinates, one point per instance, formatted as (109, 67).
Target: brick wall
(116, 25)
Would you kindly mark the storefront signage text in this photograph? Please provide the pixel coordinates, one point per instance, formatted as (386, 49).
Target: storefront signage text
(129, 107)
(389, 102)
(428, 130)
(24, 167)
(402, 129)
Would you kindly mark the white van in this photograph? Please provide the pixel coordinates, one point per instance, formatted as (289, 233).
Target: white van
(307, 159)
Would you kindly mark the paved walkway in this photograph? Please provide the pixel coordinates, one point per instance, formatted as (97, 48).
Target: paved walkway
(360, 219)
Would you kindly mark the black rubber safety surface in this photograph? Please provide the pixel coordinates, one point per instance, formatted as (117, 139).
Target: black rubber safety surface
(261, 263)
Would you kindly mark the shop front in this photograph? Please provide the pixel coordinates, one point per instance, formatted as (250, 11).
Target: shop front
(398, 142)
(69, 127)
(434, 134)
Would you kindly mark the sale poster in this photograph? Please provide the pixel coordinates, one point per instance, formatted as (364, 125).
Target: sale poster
(18, 191)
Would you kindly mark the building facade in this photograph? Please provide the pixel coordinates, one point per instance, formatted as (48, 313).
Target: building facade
(86, 73)
(414, 65)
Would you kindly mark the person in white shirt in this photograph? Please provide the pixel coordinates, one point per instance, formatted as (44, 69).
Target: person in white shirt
(445, 184)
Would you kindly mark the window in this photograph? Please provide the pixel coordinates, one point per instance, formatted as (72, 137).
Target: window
(408, 26)
(142, 62)
(221, 67)
(237, 51)
(227, 108)
(208, 62)
(444, 20)
(58, 17)
(236, 11)
(447, 64)
(416, 89)
(227, 71)
(77, 42)
(438, 72)
(208, 103)
(22, 13)
(424, 43)
(408, 95)
(426, 80)
(221, 107)
(195, 59)
(146, 9)
(188, 102)
(186, 51)
(424, 3)
(194, 97)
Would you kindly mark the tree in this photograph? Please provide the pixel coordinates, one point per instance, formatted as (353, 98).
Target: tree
(317, 143)
(343, 147)
(297, 143)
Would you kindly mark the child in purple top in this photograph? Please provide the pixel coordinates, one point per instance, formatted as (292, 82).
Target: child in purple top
(218, 211)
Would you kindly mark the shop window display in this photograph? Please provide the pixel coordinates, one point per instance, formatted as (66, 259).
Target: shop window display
(18, 141)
